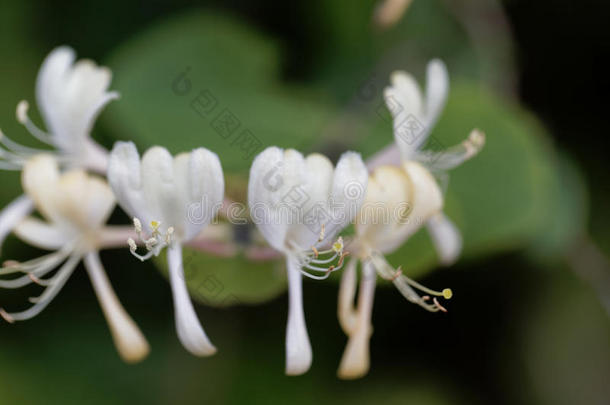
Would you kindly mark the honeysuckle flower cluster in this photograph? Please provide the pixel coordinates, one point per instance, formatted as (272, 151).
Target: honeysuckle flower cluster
(411, 193)
(70, 96)
(301, 206)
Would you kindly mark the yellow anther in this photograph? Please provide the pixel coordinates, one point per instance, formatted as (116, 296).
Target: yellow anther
(447, 293)
(338, 245)
(154, 225)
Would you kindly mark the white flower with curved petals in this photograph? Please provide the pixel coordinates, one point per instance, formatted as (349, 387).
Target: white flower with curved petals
(70, 96)
(157, 192)
(75, 207)
(411, 198)
(299, 204)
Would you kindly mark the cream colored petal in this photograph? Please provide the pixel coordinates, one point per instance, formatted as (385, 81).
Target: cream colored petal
(42, 234)
(128, 339)
(356, 358)
(346, 313)
(386, 208)
(39, 178)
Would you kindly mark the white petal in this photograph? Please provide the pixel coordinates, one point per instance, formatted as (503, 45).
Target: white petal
(124, 178)
(265, 185)
(298, 348)
(158, 186)
(71, 96)
(356, 358)
(189, 329)
(348, 189)
(12, 214)
(128, 339)
(405, 102)
(42, 235)
(437, 89)
(446, 238)
(404, 97)
(314, 187)
(204, 189)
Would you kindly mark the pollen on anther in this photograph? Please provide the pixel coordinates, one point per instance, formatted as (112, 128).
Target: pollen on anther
(447, 293)
(132, 244)
(137, 224)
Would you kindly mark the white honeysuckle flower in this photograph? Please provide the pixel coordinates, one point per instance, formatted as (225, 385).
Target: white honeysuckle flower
(70, 96)
(399, 201)
(158, 192)
(414, 117)
(299, 204)
(75, 206)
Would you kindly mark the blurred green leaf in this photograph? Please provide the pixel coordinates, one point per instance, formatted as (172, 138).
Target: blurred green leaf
(472, 37)
(223, 282)
(500, 200)
(564, 343)
(566, 217)
(231, 67)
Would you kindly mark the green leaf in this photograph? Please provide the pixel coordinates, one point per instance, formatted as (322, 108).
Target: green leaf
(566, 217)
(223, 282)
(499, 200)
(232, 76)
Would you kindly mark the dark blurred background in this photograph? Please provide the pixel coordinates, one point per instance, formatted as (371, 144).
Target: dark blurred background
(520, 329)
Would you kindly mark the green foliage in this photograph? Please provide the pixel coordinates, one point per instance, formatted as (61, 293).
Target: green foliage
(500, 200)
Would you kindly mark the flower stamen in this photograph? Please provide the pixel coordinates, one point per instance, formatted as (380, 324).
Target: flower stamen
(155, 244)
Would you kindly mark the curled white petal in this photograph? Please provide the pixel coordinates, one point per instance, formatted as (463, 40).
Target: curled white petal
(437, 90)
(128, 339)
(298, 348)
(356, 358)
(446, 238)
(347, 291)
(189, 329)
(70, 96)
